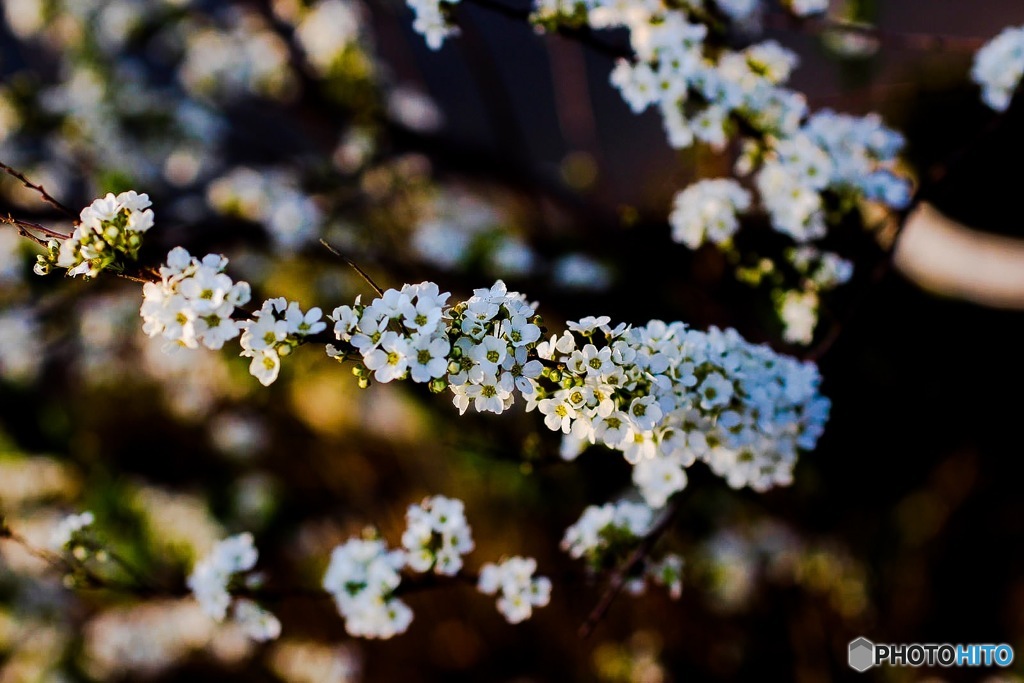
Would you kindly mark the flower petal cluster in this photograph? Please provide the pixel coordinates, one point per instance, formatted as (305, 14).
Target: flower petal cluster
(479, 348)
(212, 576)
(362, 576)
(437, 536)
(601, 527)
(519, 591)
(399, 334)
(667, 396)
(998, 67)
(605, 536)
(277, 328)
(706, 212)
(194, 301)
(431, 22)
(494, 334)
(108, 233)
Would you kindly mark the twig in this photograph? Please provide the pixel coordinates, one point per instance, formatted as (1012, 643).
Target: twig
(618, 578)
(44, 195)
(362, 273)
(23, 231)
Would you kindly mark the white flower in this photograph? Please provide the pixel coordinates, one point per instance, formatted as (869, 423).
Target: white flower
(109, 233)
(211, 576)
(429, 358)
(519, 590)
(592, 533)
(391, 360)
(194, 301)
(256, 622)
(657, 479)
(362, 577)
(706, 211)
(799, 314)
(437, 535)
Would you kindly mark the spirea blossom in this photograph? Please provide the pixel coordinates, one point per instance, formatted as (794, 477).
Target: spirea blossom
(211, 579)
(431, 22)
(601, 527)
(666, 396)
(362, 577)
(998, 67)
(706, 212)
(479, 348)
(519, 591)
(437, 536)
(108, 233)
(277, 328)
(193, 302)
(663, 395)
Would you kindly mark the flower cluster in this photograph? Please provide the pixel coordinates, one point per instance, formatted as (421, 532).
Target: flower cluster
(108, 232)
(706, 91)
(606, 535)
(362, 576)
(194, 301)
(998, 67)
(437, 536)
(479, 348)
(667, 396)
(212, 576)
(668, 572)
(662, 394)
(520, 590)
(797, 308)
(601, 528)
(706, 212)
(496, 333)
(431, 21)
(399, 334)
(278, 327)
(835, 152)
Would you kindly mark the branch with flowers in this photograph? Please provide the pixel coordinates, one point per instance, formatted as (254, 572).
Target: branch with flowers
(661, 396)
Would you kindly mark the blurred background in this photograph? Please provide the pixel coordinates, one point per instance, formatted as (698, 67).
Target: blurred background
(260, 127)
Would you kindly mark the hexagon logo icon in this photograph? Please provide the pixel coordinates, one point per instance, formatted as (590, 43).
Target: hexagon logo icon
(862, 654)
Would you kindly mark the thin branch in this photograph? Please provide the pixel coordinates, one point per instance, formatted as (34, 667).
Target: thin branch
(23, 231)
(43, 194)
(618, 579)
(362, 273)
